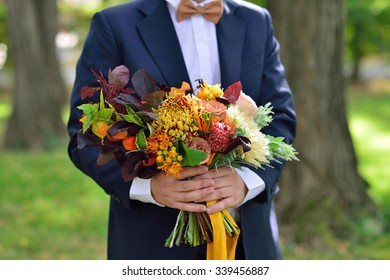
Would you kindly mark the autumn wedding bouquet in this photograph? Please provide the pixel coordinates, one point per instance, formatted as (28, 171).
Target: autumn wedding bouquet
(152, 127)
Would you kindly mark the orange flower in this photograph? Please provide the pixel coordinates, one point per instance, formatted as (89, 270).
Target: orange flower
(202, 124)
(159, 141)
(200, 144)
(100, 129)
(218, 109)
(130, 143)
(173, 169)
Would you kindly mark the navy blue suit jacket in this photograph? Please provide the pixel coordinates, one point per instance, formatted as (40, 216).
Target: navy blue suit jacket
(140, 35)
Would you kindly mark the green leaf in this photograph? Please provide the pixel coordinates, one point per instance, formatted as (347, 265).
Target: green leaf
(264, 115)
(105, 114)
(91, 112)
(88, 109)
(101, 105)
(141, 140)
(132, 117)
(151, 128)
(191, 157)
(280, 149)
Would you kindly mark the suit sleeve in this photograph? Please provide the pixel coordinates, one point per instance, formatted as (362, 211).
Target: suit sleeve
(100, 53)
(275, 89)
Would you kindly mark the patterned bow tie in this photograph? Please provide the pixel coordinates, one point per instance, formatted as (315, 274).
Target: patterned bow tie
(211, 11)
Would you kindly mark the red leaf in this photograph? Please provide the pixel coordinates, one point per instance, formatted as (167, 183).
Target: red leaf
(143, 83)
(154, 99)
(233, 92)
(119, 77)
(86, 91)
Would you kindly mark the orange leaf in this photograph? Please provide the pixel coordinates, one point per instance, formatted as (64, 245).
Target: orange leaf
(129, 143)
(119, 136)
(210, 159)
(185, 86)
(150, 161)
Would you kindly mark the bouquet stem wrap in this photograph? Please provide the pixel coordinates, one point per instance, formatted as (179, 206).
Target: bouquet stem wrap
(224, 245)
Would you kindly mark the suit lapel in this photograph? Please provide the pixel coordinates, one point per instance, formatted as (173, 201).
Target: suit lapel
(231, 36)
(160, 39)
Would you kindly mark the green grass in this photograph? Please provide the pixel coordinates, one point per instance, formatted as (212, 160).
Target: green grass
(370, 126)
(50, 210)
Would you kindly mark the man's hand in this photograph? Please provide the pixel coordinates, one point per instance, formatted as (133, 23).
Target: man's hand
(182, 193)
(229, 189)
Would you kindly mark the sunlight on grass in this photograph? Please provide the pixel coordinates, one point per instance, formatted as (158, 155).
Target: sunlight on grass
(371, 151)
(5, 110)
(51, 210)
(370, 129)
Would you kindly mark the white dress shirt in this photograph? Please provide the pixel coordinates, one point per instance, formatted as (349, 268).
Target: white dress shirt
(198, 42)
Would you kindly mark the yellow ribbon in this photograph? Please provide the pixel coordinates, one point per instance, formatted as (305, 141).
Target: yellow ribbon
(223, 246)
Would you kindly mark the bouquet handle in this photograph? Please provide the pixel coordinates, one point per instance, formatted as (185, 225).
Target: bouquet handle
(224, 243)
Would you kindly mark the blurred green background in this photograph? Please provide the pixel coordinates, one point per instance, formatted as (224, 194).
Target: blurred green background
(50, 210)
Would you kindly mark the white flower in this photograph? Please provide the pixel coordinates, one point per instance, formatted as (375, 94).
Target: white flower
(247, 127)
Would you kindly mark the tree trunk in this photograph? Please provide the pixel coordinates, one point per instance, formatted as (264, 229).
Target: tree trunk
(357, 53)
(324, 189)
(39, 91)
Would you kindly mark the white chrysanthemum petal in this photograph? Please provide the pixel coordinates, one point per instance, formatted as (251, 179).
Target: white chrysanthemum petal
(259, 152)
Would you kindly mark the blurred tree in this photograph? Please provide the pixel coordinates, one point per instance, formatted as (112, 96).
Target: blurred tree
(367, 31)
(261, 3)
(322, 191)
(39, 92)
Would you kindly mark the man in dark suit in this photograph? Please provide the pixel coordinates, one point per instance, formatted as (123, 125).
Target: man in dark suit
(240, 46)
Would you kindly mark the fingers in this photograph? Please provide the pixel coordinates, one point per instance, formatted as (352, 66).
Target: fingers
(181, 194)
(221, 205)
(190, 207)
(190, 172)
(230, 189)
(223, 185)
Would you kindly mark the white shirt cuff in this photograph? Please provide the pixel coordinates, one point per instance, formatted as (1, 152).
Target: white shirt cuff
(252, 181)
(140, 190)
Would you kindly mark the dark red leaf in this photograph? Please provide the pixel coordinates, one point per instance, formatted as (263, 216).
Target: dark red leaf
(86, 91)
(87, 139)
(132, 165)
(120, 126)
(155, 98)
(239, 140)
(223, 100)
(147, 172)
(143, 83)
(119, 77)
(126, 99)
(233, 92)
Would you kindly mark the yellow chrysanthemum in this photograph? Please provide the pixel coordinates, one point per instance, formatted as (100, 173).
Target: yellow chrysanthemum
(209, 92)
(247, 127)
(177, 115)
